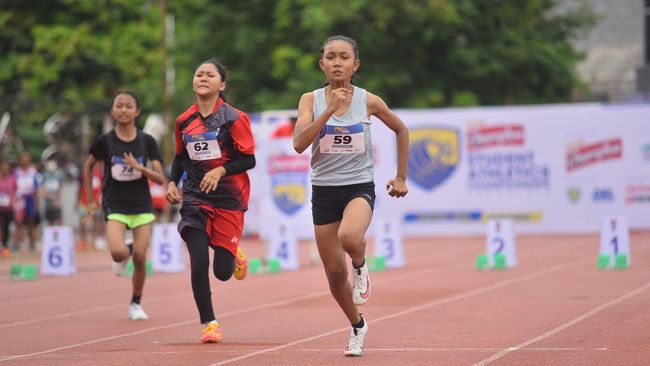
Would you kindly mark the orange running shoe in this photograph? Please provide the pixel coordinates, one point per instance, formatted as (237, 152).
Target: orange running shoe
(6, 253)
(241, 265)
(212, 333)
(81, 245)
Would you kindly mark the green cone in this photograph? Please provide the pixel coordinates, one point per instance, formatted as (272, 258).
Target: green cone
(499, 261)
(482, 262)
(603, 261)
(273, 265)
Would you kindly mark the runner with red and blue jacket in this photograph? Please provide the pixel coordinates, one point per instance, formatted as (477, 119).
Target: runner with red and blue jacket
(215, 147)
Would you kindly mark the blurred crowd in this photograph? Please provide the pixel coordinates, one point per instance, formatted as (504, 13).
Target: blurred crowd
(34, 195)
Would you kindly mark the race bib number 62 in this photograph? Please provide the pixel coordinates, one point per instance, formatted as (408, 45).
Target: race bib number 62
(203, 146)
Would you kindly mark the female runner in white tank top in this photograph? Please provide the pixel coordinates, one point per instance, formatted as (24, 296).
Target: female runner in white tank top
(335, 121)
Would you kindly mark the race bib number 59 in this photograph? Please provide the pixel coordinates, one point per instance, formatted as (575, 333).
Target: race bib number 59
(342, 139)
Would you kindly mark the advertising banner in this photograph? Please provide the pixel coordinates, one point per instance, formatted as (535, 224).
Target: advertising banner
(549, 168)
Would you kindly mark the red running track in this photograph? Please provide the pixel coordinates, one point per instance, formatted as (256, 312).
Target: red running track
(554, 308)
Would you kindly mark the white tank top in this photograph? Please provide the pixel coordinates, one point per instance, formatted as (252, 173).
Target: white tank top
(342, 153)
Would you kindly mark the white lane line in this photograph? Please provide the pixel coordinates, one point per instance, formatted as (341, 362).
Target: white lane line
(118, 306)
(64, 315)
(72, 294)
(427, 305)
(222, 315)
(561, 349)
(181, 323)
(95, 309)
(65, 294)
(564, 326)
(89, 311)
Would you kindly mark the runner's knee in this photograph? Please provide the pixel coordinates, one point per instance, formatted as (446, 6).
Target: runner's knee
(336, 276)
(139, 259)
(223, 264)
(350, 240)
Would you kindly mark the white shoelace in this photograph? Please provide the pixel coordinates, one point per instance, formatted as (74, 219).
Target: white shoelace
(358, 279)
(356, 341)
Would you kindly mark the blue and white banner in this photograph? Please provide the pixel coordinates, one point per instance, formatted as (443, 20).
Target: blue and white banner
(549, 168)
(280, 185)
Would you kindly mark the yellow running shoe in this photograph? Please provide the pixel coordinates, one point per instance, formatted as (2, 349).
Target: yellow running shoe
(241, 265)
(212, 333)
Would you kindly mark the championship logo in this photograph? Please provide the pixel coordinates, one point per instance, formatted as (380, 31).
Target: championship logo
(434, 154)
(289, 174)
(289, 193)
(573, 194)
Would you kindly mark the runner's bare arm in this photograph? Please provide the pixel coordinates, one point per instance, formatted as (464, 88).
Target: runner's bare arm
(307, 128)
(376, 107)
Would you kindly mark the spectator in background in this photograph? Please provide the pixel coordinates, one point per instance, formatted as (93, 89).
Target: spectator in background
(28, 181)
(95, 224)
(161, 207)
(52, 190)
(285, 129)
(8, 188)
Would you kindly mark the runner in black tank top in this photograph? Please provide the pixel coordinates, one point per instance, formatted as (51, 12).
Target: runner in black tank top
(130, 157)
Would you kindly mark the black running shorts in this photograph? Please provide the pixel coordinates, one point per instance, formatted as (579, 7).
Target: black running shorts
(328, 202)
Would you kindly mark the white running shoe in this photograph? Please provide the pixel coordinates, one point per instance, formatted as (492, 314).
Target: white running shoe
(137, 313)
(360, 284)
(119, 268)
(357, 337)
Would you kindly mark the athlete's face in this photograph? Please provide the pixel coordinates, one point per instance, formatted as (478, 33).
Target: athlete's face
(125, 109)
(25, 161)
(4, 169)
(339, 62)
(207, 81)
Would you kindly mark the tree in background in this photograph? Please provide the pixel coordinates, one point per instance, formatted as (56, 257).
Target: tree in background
(71, 55)
(516, 52)
(423, 53)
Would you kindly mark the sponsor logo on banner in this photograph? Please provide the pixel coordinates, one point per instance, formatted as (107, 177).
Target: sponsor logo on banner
(637, 193)
(603, 195)
(289, 182)
(458, 216)
(584, 155)
(496, 135)
(471, 216)
(645, 150)
(525, 216)
(288, 164)
(573, 194)
(507, 170)
(503, 169)
(434, 154)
